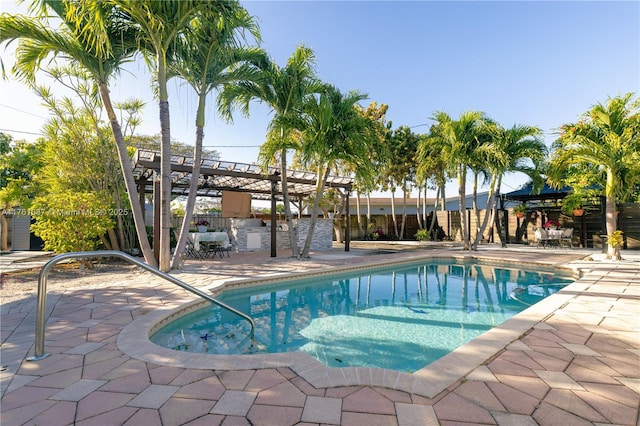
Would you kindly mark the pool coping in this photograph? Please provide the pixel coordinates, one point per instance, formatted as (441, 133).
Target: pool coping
(429, 381)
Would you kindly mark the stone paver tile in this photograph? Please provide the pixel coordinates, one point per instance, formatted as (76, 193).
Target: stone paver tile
(21, 415)
(631, 383)
(503, 366)
(18, 380)
(622, 368)
(533, 386)
(341, 392)
(569, 401)
(549, 362)
(154, 396)
(268, 415)
(285, 394)
(234, 403)
(455, 408)
(614, 411)
(580, 373)
(520, 358)
(618, 393)
(78, 390)
(206, 420)
(410, 415)
(394, 395)
(580, 349)
(559, 352)
(24, 396)
(112, 417)
(360, 419)
(235, 380)
(144, 416)
(98, 369)
(482, 374)
(101, 355)
(235, 421)
(264, 379)
(127, 368)
(190, 376)
(513, 400)
(209, 388)
(322, 410)
(366, 400)
(61, 413)
(85, 348)
(508, 419)
(559, 380)
(480, 394)
(178, 411)
(101, 402)
(59, 380)
(306, 387)
(286, 372)
(163, 375)
(133, 383)
(52, 364)
(548, 415)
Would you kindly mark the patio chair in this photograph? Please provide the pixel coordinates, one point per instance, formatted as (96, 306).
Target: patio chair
(189, 248)
(540, 237)
(567, 237)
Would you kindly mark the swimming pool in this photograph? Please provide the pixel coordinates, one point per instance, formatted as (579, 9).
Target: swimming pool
(400, 318)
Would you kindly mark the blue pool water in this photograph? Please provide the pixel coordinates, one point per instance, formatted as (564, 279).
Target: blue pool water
(400, 318)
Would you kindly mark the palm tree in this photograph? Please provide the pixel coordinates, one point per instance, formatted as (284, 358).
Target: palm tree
(95, 39)
(208, 57)
(332, 131)
(458, 143)
(608, 138)
(161, 25)
(284, 90)
(517, 149)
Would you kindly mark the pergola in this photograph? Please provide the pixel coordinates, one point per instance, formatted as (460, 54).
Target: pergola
(217, 176)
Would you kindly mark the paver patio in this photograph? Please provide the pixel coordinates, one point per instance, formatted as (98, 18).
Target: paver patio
(580, 365)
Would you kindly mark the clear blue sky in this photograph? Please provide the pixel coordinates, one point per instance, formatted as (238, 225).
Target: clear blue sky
(536, 63)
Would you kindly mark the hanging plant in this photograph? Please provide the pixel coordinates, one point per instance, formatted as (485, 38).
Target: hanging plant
(519, 210)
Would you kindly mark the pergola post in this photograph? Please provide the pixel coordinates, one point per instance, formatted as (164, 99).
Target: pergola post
(156, 218)
(347, 221)
(274, 239)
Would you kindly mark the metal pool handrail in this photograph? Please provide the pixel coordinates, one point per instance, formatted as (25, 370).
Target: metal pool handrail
(42, 292)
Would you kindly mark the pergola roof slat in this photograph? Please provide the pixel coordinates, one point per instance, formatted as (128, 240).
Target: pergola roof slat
(217, 176)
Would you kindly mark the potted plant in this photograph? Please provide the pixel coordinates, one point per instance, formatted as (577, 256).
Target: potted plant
(202, 225)
(519, 210)
(615, 241)
(572, 204)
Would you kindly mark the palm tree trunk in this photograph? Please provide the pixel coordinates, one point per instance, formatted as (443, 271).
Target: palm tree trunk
(610, 212)
(418, 213)
(165, 188)
(368, 211)
(462, 177)
(485, 221)
(358, 215)
(293, 232)
(435, 208)
(191, 199)
(127, 173)
(404, 210)
(476, 211)
(393, 212)
(320, 182)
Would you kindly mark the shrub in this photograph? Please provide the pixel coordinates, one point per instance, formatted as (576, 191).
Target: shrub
(422, 235)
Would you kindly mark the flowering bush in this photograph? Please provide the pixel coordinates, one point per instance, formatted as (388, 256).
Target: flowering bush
(550, 223)
(202, 223)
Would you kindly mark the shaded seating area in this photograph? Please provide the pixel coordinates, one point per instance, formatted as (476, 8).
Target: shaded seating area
(578, 229)
(553, 237)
